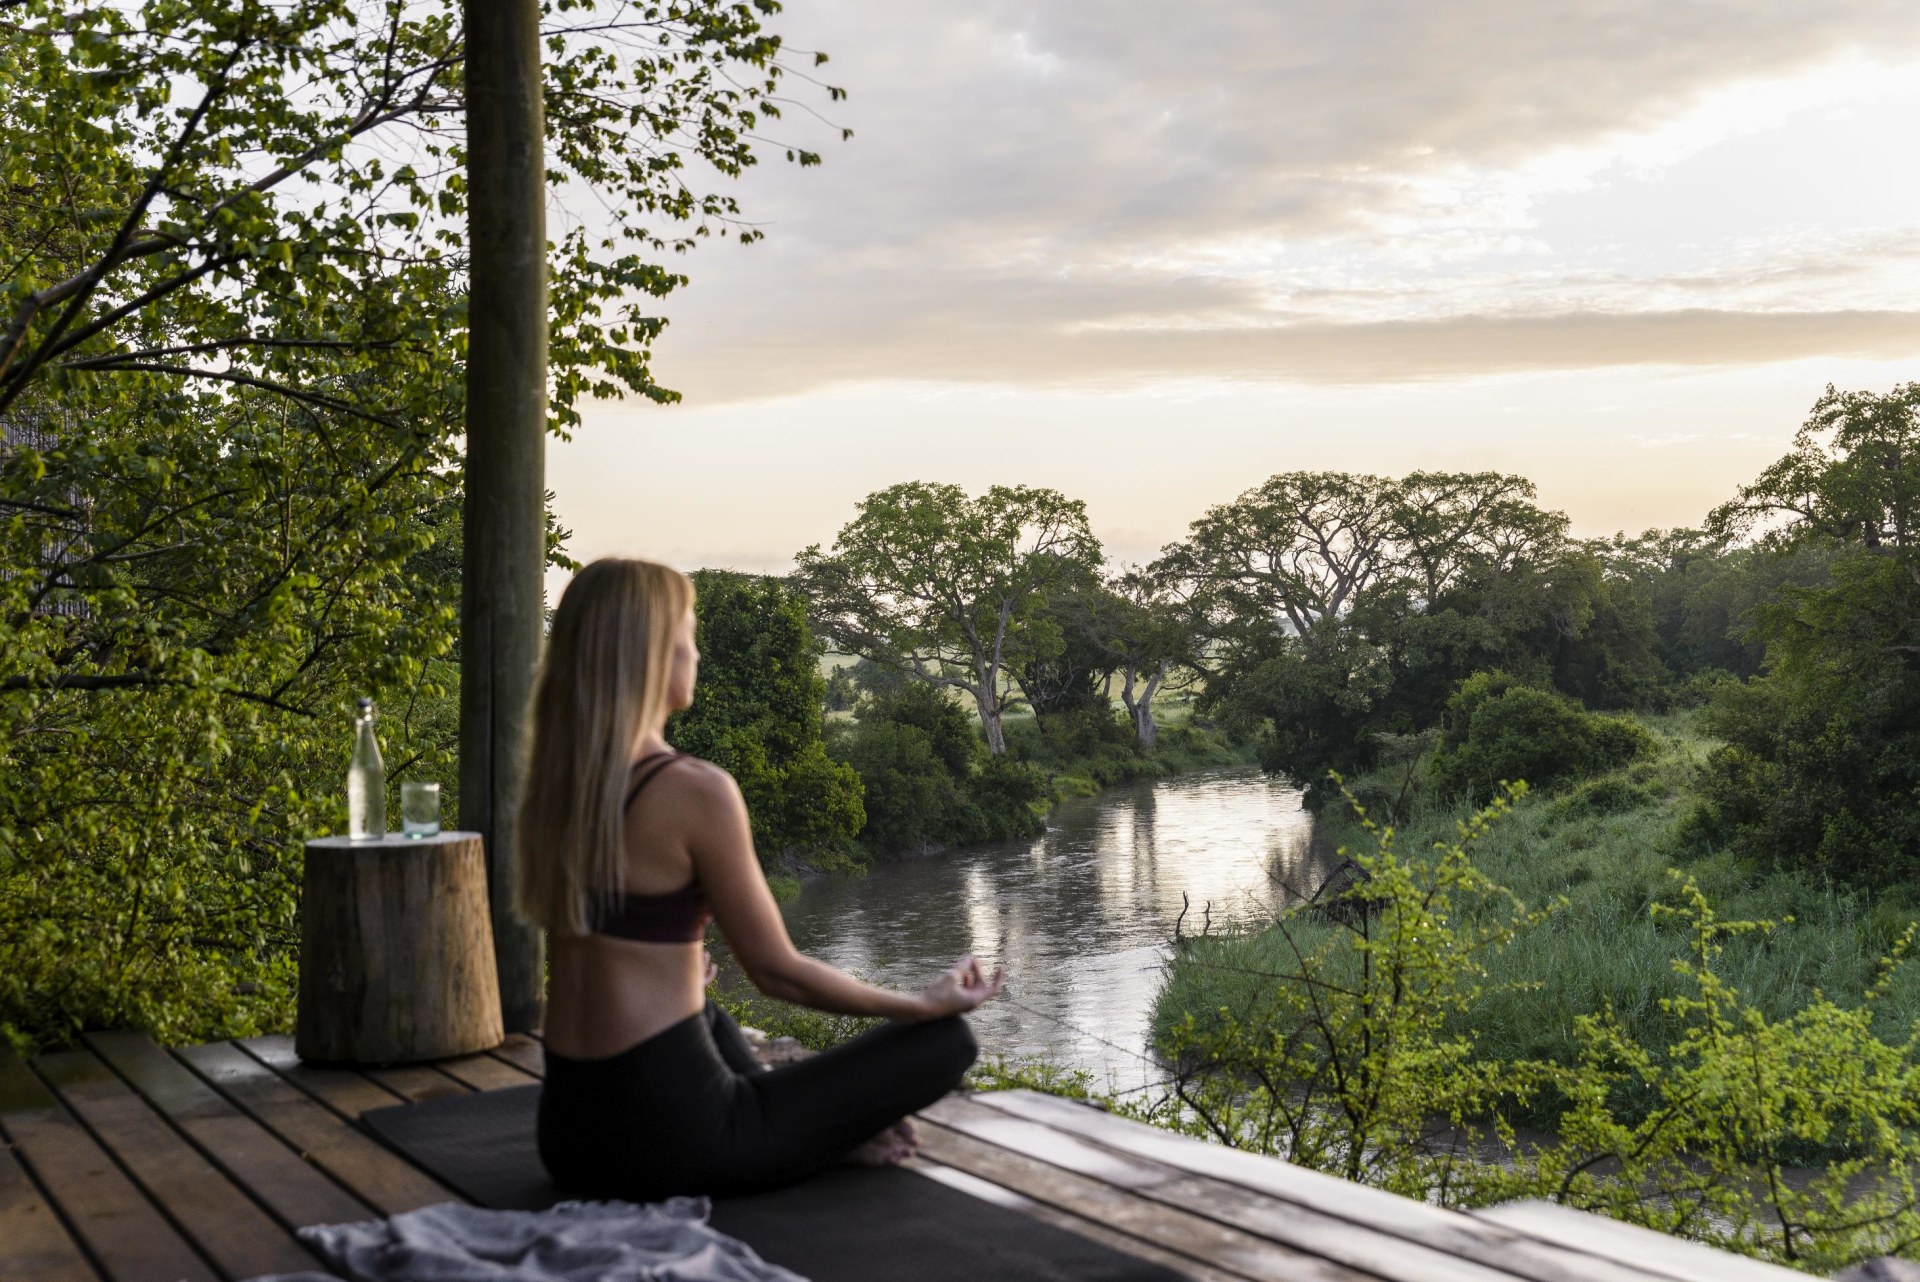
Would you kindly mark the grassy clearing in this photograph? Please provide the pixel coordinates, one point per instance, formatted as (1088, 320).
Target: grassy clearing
(1608, 848)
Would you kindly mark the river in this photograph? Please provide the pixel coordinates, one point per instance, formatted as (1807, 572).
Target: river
(1081, 916)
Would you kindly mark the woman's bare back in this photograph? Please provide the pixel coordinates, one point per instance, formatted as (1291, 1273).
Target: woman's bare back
(606, 994)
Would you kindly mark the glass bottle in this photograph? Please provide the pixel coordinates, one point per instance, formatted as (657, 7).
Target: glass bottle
(366, 781)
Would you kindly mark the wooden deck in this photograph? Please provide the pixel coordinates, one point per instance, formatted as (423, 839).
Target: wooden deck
(130, 1163)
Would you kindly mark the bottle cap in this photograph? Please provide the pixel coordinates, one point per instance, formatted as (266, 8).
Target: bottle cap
(366, 704)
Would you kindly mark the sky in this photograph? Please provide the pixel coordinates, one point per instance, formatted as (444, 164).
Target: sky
(1149, 255)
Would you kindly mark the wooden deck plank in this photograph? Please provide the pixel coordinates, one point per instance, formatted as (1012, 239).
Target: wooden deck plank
(1329, 1200)
(416, 1082)
(1194, 1237)
(375, 1173)
(127, 1163)
(346, 1092)
(987, 1191)
(523, 1052)
(34, 1245)
(1657, 1253)
(293, 1190)
(1303, 1233)
(123, 1232)
(485, 1073)
(219, 1218)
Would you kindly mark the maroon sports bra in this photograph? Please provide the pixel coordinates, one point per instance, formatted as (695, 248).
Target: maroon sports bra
(676, 917)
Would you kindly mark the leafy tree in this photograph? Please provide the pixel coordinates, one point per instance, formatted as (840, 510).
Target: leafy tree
(1851, 478)
(1696, 589)
(1822, 763)
(1274, 581)
(1306, 548)
(757, 712)
(231, 329)
(1291, 554)
(1448, 526)
(842, 691)
(1066, 665)
(945, 587)
(269, 195)
(914, 752)
(1336, 607)
(1152, 638)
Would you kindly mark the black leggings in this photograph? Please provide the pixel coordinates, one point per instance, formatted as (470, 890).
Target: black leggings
(690, 1111)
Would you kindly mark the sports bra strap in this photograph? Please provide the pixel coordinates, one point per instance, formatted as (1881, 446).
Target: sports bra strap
(654, 765)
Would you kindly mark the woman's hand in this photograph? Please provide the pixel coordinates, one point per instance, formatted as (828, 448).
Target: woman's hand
(962, 987)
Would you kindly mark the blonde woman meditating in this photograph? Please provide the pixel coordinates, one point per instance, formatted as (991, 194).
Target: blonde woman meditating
(626, 849)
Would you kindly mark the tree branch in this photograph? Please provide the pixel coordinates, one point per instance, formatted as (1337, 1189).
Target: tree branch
(138, 681)
(315, 399)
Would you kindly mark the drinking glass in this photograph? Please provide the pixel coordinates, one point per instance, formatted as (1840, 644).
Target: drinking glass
(420, 809)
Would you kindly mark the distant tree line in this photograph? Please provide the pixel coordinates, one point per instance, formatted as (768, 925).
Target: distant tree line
(1329, 616)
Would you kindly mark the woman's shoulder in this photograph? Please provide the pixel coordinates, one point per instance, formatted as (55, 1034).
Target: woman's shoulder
(701, 795)
(692, 776)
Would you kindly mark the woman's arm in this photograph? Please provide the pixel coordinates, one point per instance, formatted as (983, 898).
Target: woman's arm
(721, 843)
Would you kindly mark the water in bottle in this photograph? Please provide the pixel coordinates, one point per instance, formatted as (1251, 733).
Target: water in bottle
(366, 780)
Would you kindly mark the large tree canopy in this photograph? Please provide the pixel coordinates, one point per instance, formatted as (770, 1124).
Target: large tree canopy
(232, 326)
(1294, 552)
(1853, 476)
(1333, 606)
(1305, 548)
(1822, 763)
(252, 194)
(941, 585)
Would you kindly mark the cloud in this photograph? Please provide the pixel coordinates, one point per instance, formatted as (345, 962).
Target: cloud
(1384, 352)
(1115, 190)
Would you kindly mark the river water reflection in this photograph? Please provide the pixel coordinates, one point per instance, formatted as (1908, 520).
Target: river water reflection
(1080, 916)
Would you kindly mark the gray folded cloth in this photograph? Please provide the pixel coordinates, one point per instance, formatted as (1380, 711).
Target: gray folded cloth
(573, 1242)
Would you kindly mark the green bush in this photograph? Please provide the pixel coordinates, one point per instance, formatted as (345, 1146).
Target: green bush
(1010, 798)
(1608, 795)
(757, 712)
(1360, 1049)
(1496, 730)
(912, 798)
(927, 778)
(1821, 768)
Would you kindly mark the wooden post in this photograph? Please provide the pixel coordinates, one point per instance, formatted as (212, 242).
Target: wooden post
(396, 952)
(501, 608)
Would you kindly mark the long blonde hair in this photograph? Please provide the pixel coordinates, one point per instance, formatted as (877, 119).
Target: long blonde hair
(602, 684)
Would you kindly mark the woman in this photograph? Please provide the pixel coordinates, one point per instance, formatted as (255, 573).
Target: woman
(626, 849)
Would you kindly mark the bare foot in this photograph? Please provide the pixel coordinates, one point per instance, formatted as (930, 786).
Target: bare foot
(890, 1147)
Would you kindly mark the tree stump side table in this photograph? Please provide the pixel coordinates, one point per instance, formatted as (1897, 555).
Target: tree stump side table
(396, 951)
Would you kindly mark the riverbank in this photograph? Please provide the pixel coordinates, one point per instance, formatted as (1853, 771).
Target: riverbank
(1607, 850)
(929, 787)
(1080, 762)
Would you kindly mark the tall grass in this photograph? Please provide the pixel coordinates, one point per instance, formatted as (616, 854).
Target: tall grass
(1606, 847)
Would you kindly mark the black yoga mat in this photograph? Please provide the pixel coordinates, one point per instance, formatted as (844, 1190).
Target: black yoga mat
(851, 1223)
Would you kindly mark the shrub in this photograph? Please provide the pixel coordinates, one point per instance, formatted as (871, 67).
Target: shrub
(1346, 1053)
(1496, 730)
(1010, 799)
(1608, 795)
(912, 797)
(1821, 767)
(927, 778)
